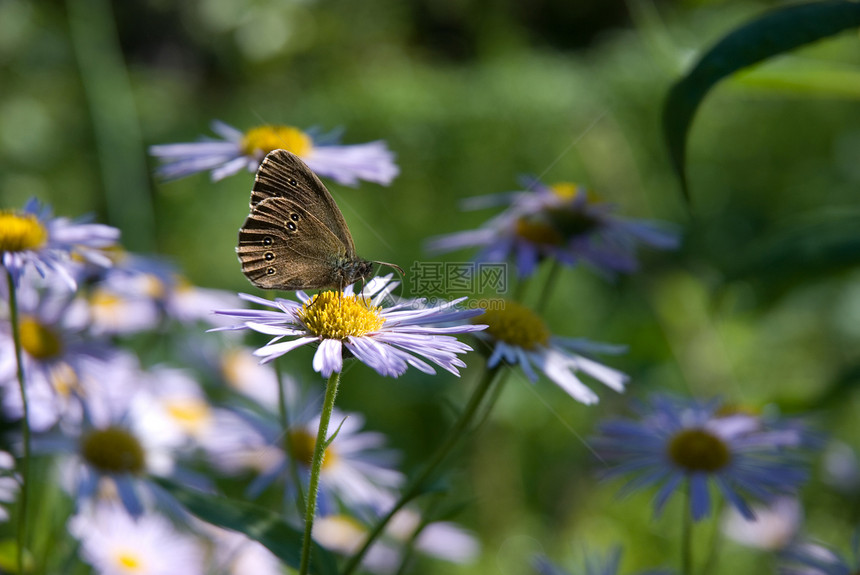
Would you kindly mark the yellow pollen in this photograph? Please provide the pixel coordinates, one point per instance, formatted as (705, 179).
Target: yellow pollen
(21, 232)
(182, 284)
(538, 232)
(567, 191)
(300, 445)
(332, 315)
(153, 286)
(129, 561)
(516, 325)
(103, 298)
(39, 341)
(191, 414)
(264, 139)
(64, 379)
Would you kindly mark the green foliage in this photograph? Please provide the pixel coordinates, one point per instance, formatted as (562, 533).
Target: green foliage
(258, 523)
(776, 32)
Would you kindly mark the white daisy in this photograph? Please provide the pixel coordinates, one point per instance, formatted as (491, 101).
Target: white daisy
(115, 543)
(237, 150)
(387, 339)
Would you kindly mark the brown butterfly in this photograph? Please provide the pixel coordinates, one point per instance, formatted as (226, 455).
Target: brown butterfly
(295, 236)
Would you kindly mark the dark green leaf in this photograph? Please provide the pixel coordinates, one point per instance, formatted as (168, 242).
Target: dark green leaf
(776, 32)
(256, 522)
(825, 245)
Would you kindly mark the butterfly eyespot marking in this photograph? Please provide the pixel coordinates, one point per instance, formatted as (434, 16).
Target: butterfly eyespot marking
(270, 271)
(291, 226)
(294, 217)
(269, 256)
(267, 241)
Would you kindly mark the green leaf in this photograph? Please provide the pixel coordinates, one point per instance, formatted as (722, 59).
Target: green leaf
(256, 522)
(775, 32)
(802, 76)
(822, 245)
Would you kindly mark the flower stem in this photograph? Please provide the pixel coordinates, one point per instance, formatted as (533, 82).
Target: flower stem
(25, 423)
(284, 419)
(316, 468)
(687, 533)
(548, 285)
(415, 486)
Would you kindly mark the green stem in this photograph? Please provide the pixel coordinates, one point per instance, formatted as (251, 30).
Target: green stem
(715, 548)
(284, 418)
(687, 533)
(25, 422)
(416, 484)
(316, 468)
(548, 285)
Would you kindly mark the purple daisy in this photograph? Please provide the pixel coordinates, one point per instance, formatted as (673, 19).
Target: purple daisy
(387, 339)
(518, 336)
(688, 443)
(237, 150)
(805, 558)
(33, 238)
(563, 222)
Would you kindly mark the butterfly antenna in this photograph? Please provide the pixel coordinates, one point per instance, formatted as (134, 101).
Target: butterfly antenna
(395, 266)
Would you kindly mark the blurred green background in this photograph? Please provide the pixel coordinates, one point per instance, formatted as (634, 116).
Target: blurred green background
(761, 305)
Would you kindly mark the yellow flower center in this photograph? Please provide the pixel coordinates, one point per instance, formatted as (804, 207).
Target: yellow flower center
(340, 533)
(21, 232)
(102, 298)
(515, 324)
(113, 450)
(129, 561)
(264, 139)
(152, 286)
(39, 341)
(566, 191)
(300, 445)
(697, 450)
(189, 413)
(538, 232)
(332, 315)
(64, 379)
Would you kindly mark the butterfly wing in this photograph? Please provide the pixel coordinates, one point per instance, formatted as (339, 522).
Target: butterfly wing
(282, 245)
(284, 175)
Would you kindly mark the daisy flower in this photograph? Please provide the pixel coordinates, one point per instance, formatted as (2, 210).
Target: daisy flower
(173, 407)
(115, 543)
(689, 444)
(440, 540)
(140, 293)
(805, 558)
(109, 458)
(517, 336)
(357, 469)
(774, 526)
(31, 237)
(237, 150)
(60, 360)
(443, 540)
(236, 554)
(242, 371)
(564, 222)
(387, 339)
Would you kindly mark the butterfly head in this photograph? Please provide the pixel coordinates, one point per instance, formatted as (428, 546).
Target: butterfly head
(350, 271)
